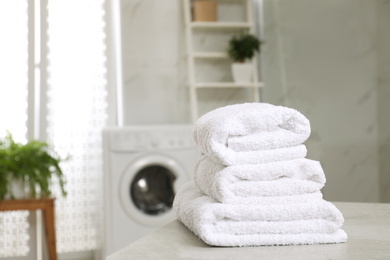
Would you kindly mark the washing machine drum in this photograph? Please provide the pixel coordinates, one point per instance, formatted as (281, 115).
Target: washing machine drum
(148, 187)
(152, 189)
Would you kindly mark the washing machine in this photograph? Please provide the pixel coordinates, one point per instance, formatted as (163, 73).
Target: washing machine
(143, 168)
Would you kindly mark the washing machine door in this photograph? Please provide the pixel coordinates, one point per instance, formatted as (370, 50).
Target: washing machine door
(148, 187)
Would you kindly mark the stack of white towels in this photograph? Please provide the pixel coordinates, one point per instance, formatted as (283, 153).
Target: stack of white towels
(254, 186)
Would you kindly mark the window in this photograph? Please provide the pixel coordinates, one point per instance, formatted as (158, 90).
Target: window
(13, 107)
(60, 84)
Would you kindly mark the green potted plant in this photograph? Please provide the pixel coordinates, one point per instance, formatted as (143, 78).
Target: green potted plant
(31, 165)
(241, 50)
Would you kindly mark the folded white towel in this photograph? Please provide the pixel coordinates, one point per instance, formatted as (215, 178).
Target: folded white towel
(240, 134)
(255, 183)
(222, 224)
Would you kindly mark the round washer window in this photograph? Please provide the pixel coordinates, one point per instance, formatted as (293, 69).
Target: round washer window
(155, 179)
(152, 189)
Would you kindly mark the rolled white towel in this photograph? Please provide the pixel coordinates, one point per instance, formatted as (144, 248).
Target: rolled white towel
(291, 223)
(255, 183)
(243, 133)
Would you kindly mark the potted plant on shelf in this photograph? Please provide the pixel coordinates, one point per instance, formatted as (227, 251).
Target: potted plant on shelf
(241, 50)
(30, 166)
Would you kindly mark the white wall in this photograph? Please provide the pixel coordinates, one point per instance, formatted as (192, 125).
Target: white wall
(383, 90)
(329, 59)
(154, 62)
(152, 58)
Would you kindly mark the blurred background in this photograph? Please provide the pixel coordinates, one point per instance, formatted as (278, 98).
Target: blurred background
(70, 69)
(328, 59)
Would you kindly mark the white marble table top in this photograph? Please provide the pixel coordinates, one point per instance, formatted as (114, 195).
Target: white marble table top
(367, 226)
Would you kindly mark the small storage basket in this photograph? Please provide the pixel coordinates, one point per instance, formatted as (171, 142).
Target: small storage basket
(205, 11)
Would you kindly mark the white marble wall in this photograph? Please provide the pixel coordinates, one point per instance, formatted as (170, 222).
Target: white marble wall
(383, 66)
(330, 60)
(154, 62)
(154, 89)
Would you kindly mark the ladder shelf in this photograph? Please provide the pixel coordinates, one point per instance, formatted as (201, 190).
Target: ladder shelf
(220, 25)
(193, 56)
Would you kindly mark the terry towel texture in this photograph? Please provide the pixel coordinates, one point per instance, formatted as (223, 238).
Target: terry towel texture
(252, 133)
(254, 186)
(291, 223)
(250, 183)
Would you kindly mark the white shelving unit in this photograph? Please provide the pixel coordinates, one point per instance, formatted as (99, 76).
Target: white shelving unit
(221, 25)
(192, 55)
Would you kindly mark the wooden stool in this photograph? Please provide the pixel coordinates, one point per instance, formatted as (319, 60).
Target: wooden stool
(47, 207)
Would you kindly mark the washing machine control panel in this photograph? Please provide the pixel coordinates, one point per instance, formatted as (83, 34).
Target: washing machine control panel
(154, 138)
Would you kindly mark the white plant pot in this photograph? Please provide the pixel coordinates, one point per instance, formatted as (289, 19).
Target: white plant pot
(17, 187)
(242, 72)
